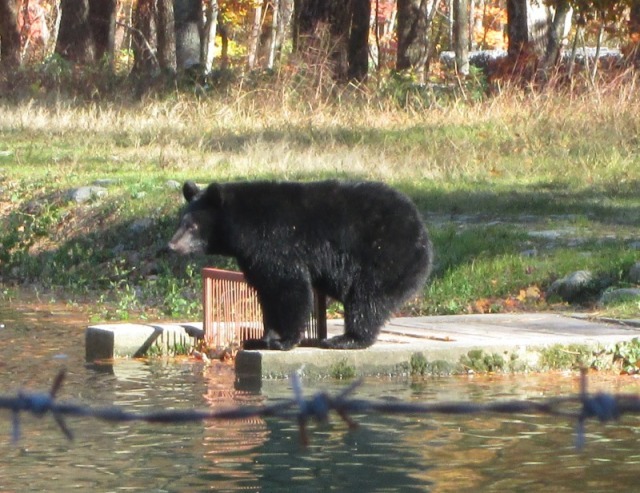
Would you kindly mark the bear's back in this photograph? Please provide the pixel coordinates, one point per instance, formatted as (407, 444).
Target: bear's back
(341, 202)
(354, 216)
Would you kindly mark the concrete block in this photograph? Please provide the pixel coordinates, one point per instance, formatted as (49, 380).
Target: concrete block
(108, 341)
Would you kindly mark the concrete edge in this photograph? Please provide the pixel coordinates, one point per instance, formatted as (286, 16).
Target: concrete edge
(417, 359)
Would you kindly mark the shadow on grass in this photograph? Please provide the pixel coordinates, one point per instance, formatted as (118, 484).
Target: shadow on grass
(610, 204)
(115, 256)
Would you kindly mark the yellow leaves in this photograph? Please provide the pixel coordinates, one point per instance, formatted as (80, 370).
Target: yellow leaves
(532, 293)
(525, 297)
(482, 305)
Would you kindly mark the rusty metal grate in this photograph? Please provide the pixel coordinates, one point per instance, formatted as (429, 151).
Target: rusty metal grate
(232, 313)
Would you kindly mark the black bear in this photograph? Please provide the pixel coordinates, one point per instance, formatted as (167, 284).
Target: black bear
(361, 243)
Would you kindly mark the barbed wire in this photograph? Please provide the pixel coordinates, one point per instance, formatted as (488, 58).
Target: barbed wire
(604, 407)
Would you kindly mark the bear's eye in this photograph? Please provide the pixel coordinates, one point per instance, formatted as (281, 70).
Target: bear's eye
(189, 224)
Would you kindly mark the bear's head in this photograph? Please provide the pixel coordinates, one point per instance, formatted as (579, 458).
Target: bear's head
(198, 220)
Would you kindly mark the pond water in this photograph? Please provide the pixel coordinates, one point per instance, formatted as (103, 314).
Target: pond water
(385, 453)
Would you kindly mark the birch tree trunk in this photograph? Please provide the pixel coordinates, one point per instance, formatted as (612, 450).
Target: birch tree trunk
(415, 18)
(284, 23)
(559, 27)
(254, 38)
(461, 35)
(210, 28)
(188, 26)
(529, 22)
(275, 4)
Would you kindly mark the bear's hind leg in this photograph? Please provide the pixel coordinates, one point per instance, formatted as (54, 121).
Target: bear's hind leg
(364, 317)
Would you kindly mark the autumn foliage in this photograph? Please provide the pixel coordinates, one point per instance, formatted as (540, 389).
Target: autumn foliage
(245, 39)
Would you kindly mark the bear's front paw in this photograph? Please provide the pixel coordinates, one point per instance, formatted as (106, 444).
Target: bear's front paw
(255, 344)
(273, 344)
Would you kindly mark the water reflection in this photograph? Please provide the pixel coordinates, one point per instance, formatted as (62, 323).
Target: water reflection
(386, 453)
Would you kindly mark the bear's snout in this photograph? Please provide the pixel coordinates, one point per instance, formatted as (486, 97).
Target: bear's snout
(184, 243)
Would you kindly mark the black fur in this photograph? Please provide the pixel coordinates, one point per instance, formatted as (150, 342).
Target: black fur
(361, 243)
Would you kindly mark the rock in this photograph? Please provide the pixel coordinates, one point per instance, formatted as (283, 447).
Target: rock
(105, 182)
(118, 249)
(576, 287)
(532, 252)
(173, 184)
(131, 257)
(634, 273)
(553, 234)
(618, 295)
(482, 58)
(485, 58)
(140, 225)
(84, 194)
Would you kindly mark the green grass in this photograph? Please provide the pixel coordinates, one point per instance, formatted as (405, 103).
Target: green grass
(485, 175)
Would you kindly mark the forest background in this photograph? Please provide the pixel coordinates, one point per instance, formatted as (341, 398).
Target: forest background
(522, 157)
(146, 37)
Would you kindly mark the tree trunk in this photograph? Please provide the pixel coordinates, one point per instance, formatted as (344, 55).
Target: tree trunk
(224, 44)
(273, 38)
(359, 39)
(188, 20)
(414, 21)
(210, 28)
(634, 30)
(144, 59)
(166, 36)
(75, 42)
(517, 27)
(254, 37)
(557, 32)
(9, 34)
(56, 28)
(285, 15)
(461, 35)
(528, 27)
(102, 23)
(337, 28)
(339, 23)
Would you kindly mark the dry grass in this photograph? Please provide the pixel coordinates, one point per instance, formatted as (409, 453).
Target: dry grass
(510, 136)
(568, 157)
(591, 137)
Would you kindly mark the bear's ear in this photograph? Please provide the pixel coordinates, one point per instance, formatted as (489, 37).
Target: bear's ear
(190, 190)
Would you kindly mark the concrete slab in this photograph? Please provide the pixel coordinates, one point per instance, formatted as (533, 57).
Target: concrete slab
(443, 344)
(108, 341)
(429, 345)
